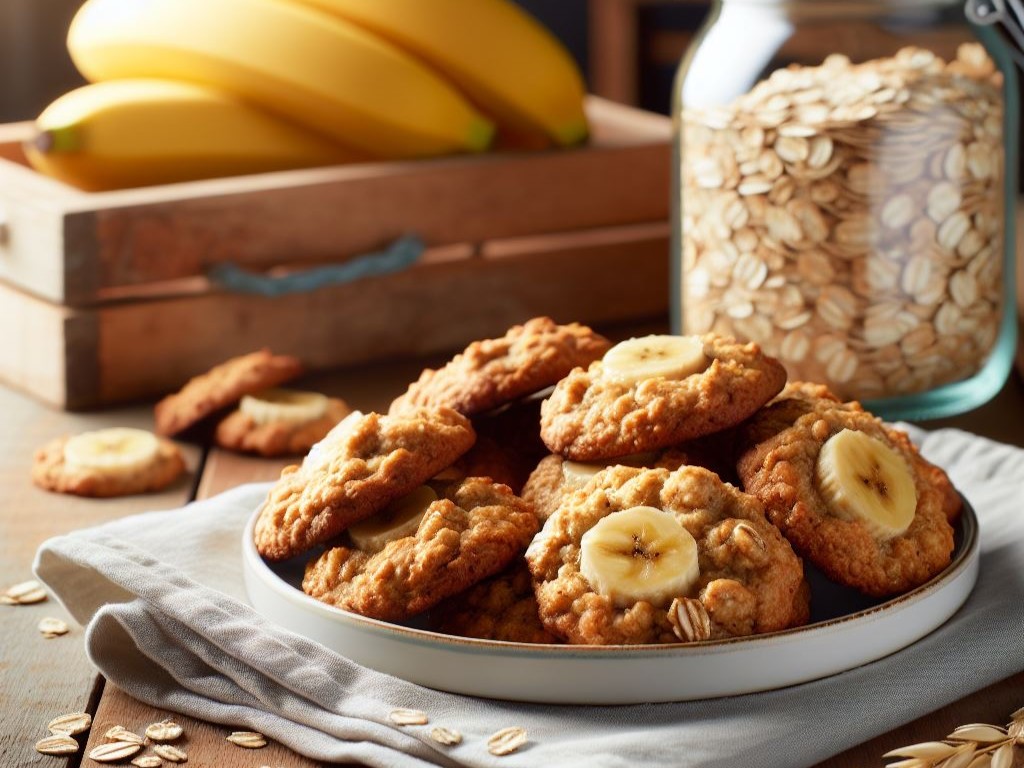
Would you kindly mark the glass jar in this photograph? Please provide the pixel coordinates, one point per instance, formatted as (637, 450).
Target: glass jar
(843, 196)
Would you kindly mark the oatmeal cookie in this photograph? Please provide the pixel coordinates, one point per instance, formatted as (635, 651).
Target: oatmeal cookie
(493, 372)
(473, 532)
(221, 387)
(745, 579)
(552, 480)
(51, 471)
(364, 463)
(501, 608)
(785, 471)
(592, 415)
(238, 432)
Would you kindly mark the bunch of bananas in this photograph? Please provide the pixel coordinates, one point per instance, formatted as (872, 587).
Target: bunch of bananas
(189, 89)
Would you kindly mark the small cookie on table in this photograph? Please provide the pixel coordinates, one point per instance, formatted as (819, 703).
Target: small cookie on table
(852, 495)
(473, 531)
(247, 432)
(107, 463)
(493, 372)
(653, 556)
(222, 386)
(655, 392)
(363, 464)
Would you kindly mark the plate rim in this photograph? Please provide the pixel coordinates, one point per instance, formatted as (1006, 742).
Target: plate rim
(960, 562)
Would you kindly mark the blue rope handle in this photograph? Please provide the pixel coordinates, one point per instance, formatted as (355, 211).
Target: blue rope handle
(400, 255)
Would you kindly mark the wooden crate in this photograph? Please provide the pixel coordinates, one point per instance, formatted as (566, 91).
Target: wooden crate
(105, 298)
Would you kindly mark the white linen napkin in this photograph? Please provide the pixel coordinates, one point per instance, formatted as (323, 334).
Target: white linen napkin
(162, 597)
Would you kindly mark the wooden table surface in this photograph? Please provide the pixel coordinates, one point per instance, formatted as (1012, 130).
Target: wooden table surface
(40, 678)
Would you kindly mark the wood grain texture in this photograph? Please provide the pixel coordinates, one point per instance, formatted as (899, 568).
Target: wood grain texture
(84, 243)
(40, 679)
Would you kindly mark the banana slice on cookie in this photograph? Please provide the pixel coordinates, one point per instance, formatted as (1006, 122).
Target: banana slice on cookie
(399, 519)
(578, 473)
(648, 357)
(862, 478)
(114, 451)
(639, 554)
(287, 406)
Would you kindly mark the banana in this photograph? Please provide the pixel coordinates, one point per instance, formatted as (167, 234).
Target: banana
(508, 64)
(863, 479)
(320, 71)
(134, 133)
(397, 520)
(648, 357)
(639, 554)
(320, 454)
(115, 451)
(578, 473)
(290, 406)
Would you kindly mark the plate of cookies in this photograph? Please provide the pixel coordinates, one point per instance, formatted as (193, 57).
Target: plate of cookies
(550, 517)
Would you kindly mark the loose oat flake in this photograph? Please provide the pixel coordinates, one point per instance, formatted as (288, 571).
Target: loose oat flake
(506, 741)
(120, 733)
(57, 744)
(247, 739)
(171, 753)
(25, 593)
(51, 627)
(114, 751)
(446, 736)
(70, 724)
(164, 731)
(408, 717)
(147, 761)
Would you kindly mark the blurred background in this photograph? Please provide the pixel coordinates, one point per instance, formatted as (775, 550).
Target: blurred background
(628, 49)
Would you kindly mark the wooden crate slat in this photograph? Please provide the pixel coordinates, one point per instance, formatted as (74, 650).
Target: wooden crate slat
(115, 239)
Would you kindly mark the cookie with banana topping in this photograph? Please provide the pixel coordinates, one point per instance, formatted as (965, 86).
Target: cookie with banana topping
(472, 530)
(659, 556)
(852, 495)
(492, 372)
(221, 387)
(362, 465)
(109, 462)
(280, 422)
(653, 392)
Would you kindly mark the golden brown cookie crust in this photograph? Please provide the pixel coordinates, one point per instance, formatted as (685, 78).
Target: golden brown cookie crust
(222, 386)
(475, 531)
(547, 484)
(50, 472)
(747, 584)
(380, 459)
(238, 432)
(590, 417)
(493, 372)
(501, 608)
(781, 472)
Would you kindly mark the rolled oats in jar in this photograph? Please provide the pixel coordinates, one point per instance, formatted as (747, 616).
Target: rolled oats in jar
(850, 217)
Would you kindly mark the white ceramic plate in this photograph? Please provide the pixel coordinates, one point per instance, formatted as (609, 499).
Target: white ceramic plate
(847, 630)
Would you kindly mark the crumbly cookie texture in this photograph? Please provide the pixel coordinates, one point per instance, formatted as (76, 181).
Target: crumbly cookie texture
(590, 416)
(780, 470)
(493, 372)
(501, 608)
(473, 532)
(548, 484)
(750, 580)
(51, 472)
(350, 476)
(238, 432)
(222, 386)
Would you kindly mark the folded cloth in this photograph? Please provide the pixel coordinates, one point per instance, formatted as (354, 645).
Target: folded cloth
(163, 600)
